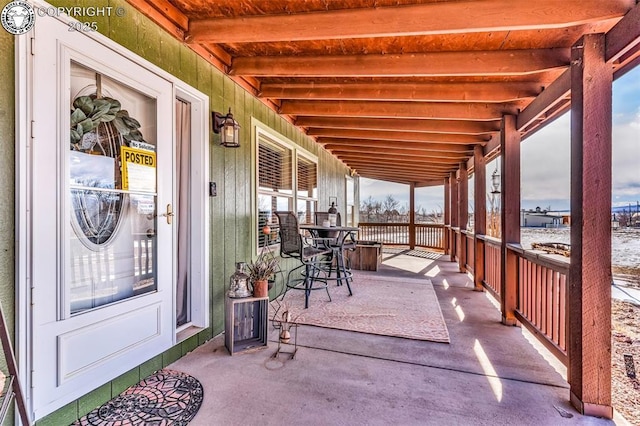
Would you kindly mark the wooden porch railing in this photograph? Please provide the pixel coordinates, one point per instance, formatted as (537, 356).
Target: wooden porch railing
(541, 292)
(542, 298)
(492, 265)
(426, 235)
(470, 251)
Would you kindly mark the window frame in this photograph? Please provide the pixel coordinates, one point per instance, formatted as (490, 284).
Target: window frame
(313, 199)
(262, 133)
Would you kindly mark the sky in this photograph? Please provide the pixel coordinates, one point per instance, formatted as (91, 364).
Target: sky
(545, 160)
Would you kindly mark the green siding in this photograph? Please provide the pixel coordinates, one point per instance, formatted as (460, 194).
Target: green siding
(95, 398)
(64, 416)
(122, 382)
(231, 211)
(151, 366)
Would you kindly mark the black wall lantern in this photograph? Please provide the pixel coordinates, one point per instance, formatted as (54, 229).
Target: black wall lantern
(228, 129)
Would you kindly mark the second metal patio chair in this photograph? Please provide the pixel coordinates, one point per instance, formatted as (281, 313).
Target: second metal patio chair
(339, 242)
(309, 251)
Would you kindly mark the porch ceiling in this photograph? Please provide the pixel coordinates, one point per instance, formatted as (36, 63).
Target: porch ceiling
(402, 90)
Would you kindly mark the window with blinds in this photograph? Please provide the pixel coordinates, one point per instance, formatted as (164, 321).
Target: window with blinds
(350, 201)
(274, 167)
(279, 188)
(307, 189)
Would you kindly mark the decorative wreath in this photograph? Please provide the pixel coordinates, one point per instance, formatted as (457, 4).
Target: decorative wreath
(87, 114)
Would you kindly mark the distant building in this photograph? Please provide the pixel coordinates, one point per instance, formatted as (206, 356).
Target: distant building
(538, 218)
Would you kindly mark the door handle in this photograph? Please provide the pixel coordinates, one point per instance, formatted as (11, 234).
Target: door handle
(169, 214)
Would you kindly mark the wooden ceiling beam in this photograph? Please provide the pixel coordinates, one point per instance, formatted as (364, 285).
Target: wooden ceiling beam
(442, 147)
(410, 20)
(346, 149)
(396, 136)
(434, 92)
(624, 36)
(556, 93)
(411, 176)
(392, 177)
(407, 125)
(420, 174)
(352, 157)
(165, 15)
(409, 167)
(381, 109)
(427, 183)
(468, 63)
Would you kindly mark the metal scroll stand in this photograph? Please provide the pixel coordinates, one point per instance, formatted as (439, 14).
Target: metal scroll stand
(284, 335)
(285, 324)
(12, 389)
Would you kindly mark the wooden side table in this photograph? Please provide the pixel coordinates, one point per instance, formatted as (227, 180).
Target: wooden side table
(366, 257)
(245, 325)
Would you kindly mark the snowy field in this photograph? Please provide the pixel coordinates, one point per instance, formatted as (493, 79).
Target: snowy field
(625, 249)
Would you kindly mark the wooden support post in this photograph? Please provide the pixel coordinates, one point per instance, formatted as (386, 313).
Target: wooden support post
(589, 346)
(463, 215)
(454, 215)
(447, 216)
(412, 216)
(510, 216)
(479, 214)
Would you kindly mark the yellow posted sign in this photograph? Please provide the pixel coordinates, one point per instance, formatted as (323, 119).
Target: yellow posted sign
(138, 169)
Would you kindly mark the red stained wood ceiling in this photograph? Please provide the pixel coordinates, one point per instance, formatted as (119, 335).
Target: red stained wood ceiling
(401, 90)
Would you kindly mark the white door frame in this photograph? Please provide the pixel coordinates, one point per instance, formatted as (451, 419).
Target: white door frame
(24, 193)
(199, 210)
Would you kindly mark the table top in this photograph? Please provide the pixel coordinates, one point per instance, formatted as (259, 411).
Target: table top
(313, 227)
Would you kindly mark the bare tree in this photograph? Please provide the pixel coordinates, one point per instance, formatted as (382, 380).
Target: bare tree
(370, 209)
(435, 216)
(390, 207)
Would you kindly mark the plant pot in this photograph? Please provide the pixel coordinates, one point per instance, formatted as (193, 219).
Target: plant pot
(261, 288)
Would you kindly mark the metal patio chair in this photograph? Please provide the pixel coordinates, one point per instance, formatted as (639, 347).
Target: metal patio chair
(339, 243)
(311, 252)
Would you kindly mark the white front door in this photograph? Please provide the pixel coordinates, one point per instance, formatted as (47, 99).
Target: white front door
(101, 227)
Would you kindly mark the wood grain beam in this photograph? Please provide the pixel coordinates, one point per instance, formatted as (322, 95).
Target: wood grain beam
(442, 147)
(395, 174)
(424, 110)
(429, 183)
(395, 136)
(165, 15)
(556, 93)
(407, 125)
(349, 157)
(624, 36)
(346, 149)
(409, 168)
(469, 63)
(390, 177)
(410, 20)
(434, 92)
(418, 171)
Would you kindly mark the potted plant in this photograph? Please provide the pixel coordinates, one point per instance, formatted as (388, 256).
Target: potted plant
(260, 271)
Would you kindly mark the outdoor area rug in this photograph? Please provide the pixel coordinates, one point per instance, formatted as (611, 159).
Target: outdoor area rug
(387, 306)
(166, 397)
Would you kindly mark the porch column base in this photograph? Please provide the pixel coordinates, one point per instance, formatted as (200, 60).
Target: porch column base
(594, 410)
(509, 321)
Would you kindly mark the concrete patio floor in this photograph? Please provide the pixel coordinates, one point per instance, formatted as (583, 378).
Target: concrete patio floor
(489, 374)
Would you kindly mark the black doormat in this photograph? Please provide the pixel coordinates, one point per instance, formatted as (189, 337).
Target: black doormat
(165, 398)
